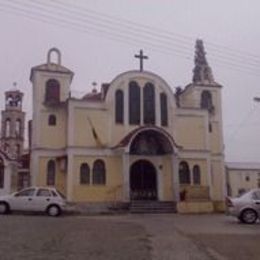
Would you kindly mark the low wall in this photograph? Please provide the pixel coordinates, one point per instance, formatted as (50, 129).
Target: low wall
(100, 207)
(195, 207)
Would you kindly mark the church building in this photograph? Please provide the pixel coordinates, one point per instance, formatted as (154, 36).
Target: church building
(134, 139)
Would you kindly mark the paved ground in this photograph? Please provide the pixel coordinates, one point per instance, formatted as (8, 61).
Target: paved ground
(200, 237)
(138, 237)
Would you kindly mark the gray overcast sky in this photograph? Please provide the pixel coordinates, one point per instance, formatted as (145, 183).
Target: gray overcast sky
(98, 45)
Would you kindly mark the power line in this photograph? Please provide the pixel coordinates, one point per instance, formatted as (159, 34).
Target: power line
(159, 45)
(85, 18)
(113, 37)
(141, 31)
(242, 122)
(90, 23)
(163, 33)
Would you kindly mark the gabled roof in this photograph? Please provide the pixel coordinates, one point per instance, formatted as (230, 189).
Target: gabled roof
(51, 67)
(96, 96)
(92, 97)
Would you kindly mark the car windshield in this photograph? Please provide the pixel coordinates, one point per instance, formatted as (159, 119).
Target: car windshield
(243, 194)
(61, 194)
(27, 192)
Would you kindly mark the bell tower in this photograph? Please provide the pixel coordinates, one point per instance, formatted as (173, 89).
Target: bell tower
(13, 118)
(51, 90)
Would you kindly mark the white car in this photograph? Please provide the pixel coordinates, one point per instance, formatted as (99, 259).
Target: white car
(34, 199)
(246, 207)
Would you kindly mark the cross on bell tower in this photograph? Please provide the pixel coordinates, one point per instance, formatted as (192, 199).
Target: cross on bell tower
(141, 57)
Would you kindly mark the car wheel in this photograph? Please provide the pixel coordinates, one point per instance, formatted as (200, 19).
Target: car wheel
(53, 211)
(4, 208)
(248, 216)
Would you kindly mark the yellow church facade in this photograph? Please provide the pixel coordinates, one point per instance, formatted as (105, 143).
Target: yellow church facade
(132, 140)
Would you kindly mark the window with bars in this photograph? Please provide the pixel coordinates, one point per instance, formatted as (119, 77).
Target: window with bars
(52, 120)
(196, 175)
(99, 172)
(134, 103)
(184, 173)
(84, 174)
(119, 106)
(149, 104)
(164, 109)
(52, 94)
(51, 173)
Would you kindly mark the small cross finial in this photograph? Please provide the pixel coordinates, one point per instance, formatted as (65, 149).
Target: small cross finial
(14, 86)
(141, 57)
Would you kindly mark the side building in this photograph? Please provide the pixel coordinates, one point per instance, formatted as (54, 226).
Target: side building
(241, 177)
(133, 140)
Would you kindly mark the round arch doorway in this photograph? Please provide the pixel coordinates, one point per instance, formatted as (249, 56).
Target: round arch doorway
(143, 181)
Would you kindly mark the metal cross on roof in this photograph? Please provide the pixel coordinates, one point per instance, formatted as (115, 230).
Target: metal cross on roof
(141, 57)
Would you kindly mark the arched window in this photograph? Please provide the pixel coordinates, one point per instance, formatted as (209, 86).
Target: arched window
(184, 173)
(149, 104)
(18, 127)
(99, 172)
(2, 173)
(196, 174)
(51, 172)
(8, 127)
(52, 120)
(206, 100)
(164, 109)
(119, 106)
(84, 174)
(52, 94)
(134, 103)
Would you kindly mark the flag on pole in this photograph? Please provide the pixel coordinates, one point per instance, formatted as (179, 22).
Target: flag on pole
(94, 133)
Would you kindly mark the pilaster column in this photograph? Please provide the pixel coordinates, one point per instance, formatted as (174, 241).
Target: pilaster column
(175, 178)
(7, 178)
(126, 177)
(34, 168)
(160, 178)
(209, 178)
(126, 107)
(157, 108)
(224, 184)
(70, 180)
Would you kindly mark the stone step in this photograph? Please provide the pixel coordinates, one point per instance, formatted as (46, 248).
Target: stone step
(152, 211)
(153, 207)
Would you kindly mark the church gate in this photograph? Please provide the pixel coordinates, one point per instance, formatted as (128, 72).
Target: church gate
(143, 181)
